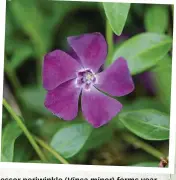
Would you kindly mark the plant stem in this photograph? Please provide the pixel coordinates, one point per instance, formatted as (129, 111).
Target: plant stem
(25, 130)
(52, 151)
(140, 144)
(15, 82)
(109, 39)
(13, 79)
(11, 74)
(16, 87)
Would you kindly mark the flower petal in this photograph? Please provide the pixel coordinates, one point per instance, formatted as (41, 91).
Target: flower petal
(116, 79)
(63, 100)
(72, 53)
(91, 49)
(58, 68)
(97, 108)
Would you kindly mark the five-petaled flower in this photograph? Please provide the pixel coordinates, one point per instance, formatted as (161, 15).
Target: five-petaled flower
(66, 78)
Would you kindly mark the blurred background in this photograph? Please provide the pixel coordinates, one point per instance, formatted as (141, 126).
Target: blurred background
(36, 27)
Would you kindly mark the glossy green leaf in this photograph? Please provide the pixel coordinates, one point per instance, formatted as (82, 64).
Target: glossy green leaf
(148, 124)
(144, 51)
(157, 18)
(10, 134)
(138, 104)
(117, 15)
(70, 139)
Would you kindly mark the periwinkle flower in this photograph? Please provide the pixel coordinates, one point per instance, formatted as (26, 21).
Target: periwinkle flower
(66, 78)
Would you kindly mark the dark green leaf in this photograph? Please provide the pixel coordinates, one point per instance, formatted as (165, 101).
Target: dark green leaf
(138, 9)
(157, 18)
(69, 140)
(10, 134)
(22, 150)
(144, 51)
(117, 14)
(148, 124)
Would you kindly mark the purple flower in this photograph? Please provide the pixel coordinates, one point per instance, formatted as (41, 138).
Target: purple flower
(65, 78)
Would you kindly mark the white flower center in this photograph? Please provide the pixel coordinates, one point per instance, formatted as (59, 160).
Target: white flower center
(85, 78)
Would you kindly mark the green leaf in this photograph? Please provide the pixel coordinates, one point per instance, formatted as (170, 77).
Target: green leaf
(29, 18)
(147, 164)
(148, 124)
(144, 51)
(22, 150)
(69, 140)
(10, 134)
(20, 55)
(34, 98)
(117, 15)
(162, 77)
(157, 18)
(100, 136)
(40, 19)
(138, 104)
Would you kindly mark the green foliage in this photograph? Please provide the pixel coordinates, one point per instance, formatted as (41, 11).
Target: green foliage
(147, 164)
(20, 56)
(34, 97)
(34, 28)
(162, 77)
(157, 18)
(117, 14)
(144, 103)
(96, 137)
(22, 150)
(10, 133)
(144, 51)
(70, 139)
(148, 124)
(30, 20)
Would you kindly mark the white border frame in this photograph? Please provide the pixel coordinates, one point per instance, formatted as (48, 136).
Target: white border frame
(95, 168)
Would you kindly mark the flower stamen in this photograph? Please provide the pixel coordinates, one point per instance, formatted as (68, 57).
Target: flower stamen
(86, 78)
